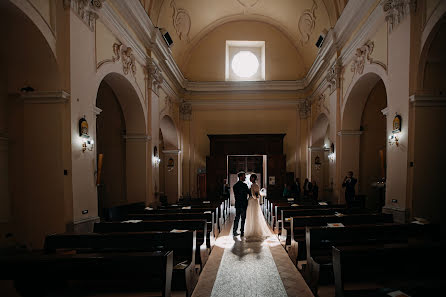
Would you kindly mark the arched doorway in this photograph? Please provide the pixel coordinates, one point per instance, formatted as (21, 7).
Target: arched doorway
(122, 143)
(428, 118)
(170, 159)
(362, 146)
(33, 133)
(320, 148)
(373, 143)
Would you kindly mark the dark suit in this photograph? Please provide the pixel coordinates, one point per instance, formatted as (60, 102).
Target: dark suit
(349, 185)
(241, 192)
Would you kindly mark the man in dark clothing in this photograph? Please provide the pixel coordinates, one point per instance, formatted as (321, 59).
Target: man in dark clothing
(349, 185)
(241, 193)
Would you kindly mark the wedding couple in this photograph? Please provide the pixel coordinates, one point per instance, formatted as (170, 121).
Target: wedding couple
(248, 208)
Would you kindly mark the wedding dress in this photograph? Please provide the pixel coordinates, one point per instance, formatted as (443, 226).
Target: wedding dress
(255, 225)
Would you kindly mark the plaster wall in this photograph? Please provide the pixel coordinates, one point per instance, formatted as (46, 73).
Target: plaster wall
(207, 60)
(241, 121)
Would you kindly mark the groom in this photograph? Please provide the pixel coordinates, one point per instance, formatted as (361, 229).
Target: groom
(241, 193)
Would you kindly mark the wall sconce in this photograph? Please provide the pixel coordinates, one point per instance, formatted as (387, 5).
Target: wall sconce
(394, 139)
(87, 144)
(332, 157)
(396, 132)
(156, 159)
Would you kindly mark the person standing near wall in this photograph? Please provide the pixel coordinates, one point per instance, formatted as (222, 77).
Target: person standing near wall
(349, 185)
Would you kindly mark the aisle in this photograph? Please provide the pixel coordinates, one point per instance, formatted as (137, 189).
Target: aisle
(239, 267)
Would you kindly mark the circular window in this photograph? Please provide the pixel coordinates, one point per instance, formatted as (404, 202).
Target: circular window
(245, 64)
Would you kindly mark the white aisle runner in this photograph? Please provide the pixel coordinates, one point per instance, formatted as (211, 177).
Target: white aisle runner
(247, 269)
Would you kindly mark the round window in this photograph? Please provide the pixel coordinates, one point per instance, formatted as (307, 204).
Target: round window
(245, 64)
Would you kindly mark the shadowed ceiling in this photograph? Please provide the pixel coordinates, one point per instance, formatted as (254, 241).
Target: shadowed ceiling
(190, 21)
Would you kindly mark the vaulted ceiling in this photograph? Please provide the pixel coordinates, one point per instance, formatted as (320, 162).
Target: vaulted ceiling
(190, 21)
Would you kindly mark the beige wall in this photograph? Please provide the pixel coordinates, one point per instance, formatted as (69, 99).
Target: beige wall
(245, 120)
(207, 60)
(373, 139)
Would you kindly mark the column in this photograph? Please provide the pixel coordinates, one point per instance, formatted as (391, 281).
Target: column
(171, 174)
(186, 116)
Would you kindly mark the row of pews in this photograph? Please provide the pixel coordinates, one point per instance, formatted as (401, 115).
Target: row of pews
(159, 250)
(359, 252)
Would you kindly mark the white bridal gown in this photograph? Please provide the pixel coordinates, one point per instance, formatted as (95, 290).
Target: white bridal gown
(255, 226)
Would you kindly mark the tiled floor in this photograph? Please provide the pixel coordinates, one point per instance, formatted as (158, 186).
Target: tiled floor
(240, 268)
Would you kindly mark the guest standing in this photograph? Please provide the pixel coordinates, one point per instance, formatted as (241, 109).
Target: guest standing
(349, 185)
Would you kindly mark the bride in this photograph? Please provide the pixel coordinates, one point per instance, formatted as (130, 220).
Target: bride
(255, 222)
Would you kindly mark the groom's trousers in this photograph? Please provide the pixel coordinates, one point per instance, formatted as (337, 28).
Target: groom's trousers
(239, 212)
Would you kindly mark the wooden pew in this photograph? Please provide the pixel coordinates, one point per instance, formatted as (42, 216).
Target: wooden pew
(39, 274)
(211, 232)
(216, 221)
(200, 226)
(319, 241)
(412, 269)
(183, 245)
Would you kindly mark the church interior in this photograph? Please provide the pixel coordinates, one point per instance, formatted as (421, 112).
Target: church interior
(148, 110)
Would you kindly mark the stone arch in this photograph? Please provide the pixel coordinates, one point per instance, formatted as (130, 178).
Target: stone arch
(348, 149)
(357, 93)
(31, 101)
(427, 111)
(171, 162)
(125, 87)
(319, 130)
(435, 27)
(34, 16)
(170, 133)
(134, 138)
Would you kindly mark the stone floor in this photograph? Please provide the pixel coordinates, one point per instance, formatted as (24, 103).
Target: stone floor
(239, 267)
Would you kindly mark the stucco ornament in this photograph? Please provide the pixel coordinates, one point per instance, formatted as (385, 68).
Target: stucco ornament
(333, 76)
(307, 22)
(248, 3)
(154, 75)
(186, 111)
(128, 59)
(362, 56)
(304, 108)
(85, 10)
(181, 21)
(397, 10)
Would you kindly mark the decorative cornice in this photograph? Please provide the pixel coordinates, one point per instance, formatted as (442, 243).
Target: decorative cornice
(250, 102)
(231, 86)
(137, 137)
(45, 97)
(350, 133)
(172, 152)
(318, 149)
(96, 110)
(86, 10)
(396, 11)
(385, 111)
(427, 101)
(186, 111)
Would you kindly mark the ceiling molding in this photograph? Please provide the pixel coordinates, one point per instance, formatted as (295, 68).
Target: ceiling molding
(176, 85)
(244, 102)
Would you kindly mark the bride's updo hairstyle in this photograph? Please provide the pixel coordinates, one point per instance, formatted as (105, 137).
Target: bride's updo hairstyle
(254, 176)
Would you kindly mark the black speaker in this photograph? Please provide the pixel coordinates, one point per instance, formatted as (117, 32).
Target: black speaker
(319, 41)
(166, 36)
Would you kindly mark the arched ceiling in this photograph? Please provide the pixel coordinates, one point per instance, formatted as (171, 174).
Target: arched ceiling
(189, 21)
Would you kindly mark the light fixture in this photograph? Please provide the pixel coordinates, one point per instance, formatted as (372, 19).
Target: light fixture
(87, 144)
(332, 157)
(394, 139)
(156, 159)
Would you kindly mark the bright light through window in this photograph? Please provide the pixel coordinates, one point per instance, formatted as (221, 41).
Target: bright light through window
(245, 64)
